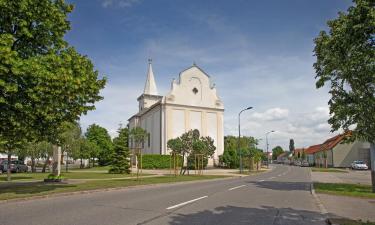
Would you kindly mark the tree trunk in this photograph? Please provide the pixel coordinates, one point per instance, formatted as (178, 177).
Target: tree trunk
(33, 164)
(66, 162)
(46, 161)
(182, 164)
(8, 169)
(372, 156)
(56, 168)
(81, 166)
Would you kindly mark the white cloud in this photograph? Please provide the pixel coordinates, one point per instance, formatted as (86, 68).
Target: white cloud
(119, 3)
(271, 114)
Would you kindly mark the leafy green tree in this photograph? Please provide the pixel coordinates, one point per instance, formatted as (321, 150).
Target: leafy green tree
(276, 151)
(121, 158)
(99, 136)
(70, 140)
(88, 150)
(83, 151)
(345, 61)
(229, 158)
(137, 137)
(204, 146)
(32, 150)
(44, 81)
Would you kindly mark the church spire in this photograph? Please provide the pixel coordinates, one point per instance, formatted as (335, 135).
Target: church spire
(150, 86)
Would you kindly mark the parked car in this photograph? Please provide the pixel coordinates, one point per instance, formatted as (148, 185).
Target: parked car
(16, 166)
(359, 165)
(305, 164)
(297, 163)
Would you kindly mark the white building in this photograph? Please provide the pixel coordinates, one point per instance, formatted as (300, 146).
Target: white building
(192, 103)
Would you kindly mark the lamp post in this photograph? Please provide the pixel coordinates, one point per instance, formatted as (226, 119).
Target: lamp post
(239, 135)
(268, 158)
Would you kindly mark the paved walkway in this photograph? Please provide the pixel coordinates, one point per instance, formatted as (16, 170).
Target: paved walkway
(343, 206)
(352, 177)
(349, 207)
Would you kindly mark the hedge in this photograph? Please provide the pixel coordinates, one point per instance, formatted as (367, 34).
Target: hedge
(151, 161)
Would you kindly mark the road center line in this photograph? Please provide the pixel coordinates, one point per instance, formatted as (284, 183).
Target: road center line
(187, 202)
(272, 177)
(236, 187)
(261, 180)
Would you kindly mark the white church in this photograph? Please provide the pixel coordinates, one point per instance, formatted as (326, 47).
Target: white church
(192, 103)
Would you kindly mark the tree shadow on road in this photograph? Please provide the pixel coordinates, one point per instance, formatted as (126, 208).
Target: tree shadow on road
(234, 215)
(283, 186)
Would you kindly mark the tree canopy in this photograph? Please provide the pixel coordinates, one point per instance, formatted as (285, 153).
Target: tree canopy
(44, 82)
(346, 62)
(99, 136)
(276, 151)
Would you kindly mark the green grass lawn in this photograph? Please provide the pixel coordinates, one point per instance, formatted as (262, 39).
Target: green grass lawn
(69, 175)
(41, 188)
(354, 190)
(333, 170)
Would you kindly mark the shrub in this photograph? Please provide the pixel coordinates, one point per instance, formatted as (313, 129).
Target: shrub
(151, 161)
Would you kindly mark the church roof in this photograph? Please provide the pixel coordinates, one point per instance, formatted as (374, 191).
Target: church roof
(150, 86)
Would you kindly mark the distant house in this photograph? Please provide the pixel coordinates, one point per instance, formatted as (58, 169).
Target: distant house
(337, 153)
(310, 153)
(284, 157)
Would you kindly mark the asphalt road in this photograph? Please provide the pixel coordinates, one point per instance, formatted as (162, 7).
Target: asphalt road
(281, 196)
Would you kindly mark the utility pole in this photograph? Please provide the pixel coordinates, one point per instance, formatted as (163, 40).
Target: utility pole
(239, 136)
(268, 158)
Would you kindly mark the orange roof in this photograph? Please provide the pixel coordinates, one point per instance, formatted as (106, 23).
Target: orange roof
(313, 148)
(332, 142)
(328, 144)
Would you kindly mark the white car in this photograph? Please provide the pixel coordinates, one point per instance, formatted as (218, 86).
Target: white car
(359, 165)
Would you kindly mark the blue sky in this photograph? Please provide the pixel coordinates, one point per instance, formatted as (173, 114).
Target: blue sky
(258, 53)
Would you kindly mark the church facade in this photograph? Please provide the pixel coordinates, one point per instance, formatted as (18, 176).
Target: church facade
(192, 103)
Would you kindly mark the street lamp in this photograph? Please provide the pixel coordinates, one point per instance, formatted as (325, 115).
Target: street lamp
(268, 157)
(239, 135)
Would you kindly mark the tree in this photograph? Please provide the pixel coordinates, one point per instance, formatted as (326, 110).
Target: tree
(70, 139)
(276, 151)
(32, 150)
(120, 160)
(345, 61)
(291, 146)
(83, 152)
(88, 150)
(230, 155)
(203, 146)
(99, 136)
(44, 81)
(138, 136)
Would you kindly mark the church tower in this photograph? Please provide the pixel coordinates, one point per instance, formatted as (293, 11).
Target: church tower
(150, 94)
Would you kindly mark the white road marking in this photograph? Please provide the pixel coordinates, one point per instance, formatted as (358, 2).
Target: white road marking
(261, 180)
(272, 177)
(185, 203)
(236, 187)
(279, 175)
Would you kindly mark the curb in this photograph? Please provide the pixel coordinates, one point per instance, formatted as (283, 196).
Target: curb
(55, 195)
(319, 203)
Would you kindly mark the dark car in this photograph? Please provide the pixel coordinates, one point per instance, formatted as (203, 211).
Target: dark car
(16, 166)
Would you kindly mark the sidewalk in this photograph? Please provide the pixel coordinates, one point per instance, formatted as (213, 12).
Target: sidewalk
(349, 207)
(351, 177)
(343, 206)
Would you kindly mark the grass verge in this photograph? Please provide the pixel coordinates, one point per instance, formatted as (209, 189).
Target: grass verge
(69, 175)
(332, 170)
(41, 188)
(353, 190)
